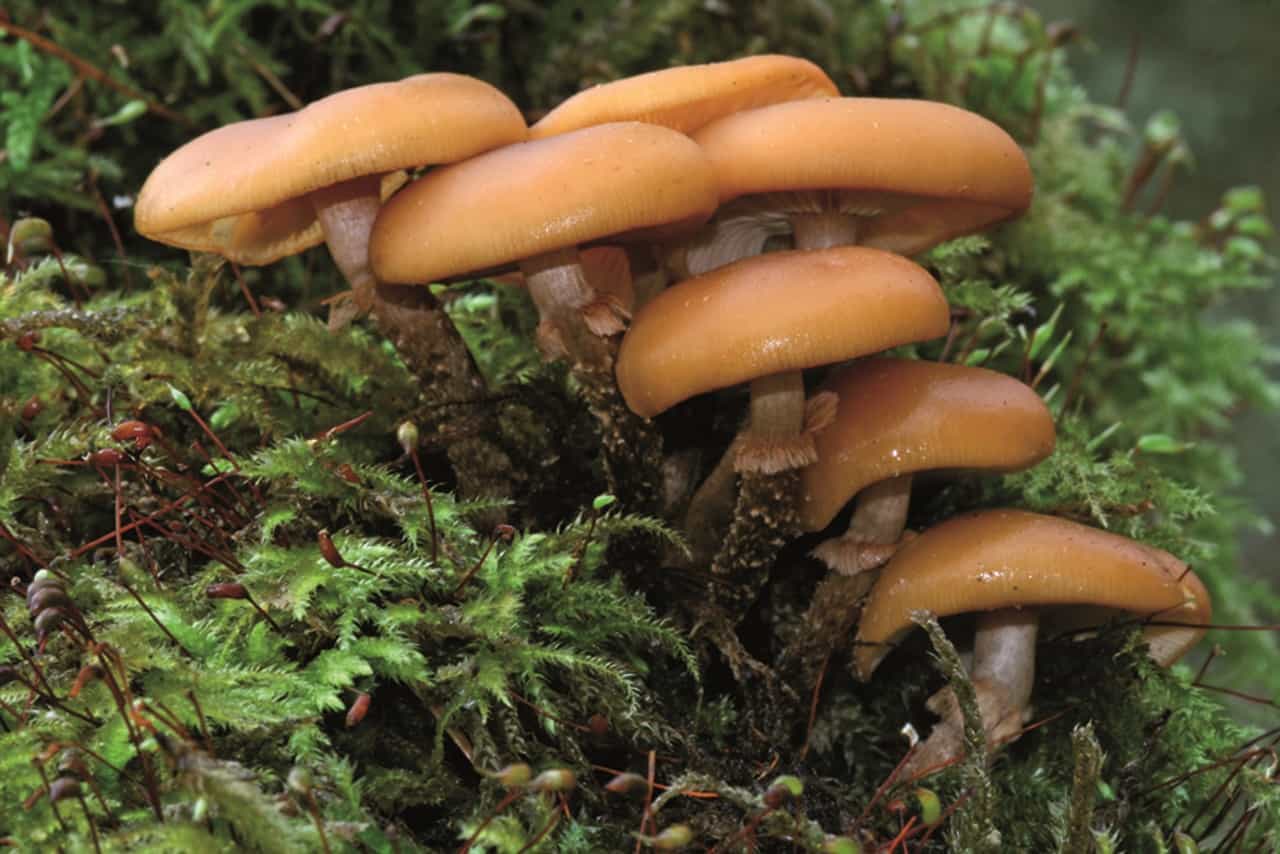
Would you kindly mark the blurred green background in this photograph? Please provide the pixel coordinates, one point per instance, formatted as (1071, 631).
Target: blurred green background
(1215, 65)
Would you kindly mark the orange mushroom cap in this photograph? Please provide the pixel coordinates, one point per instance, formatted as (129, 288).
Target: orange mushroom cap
(930, 171)
(537, 197)
(1001, 559)
(690, 96)
(241, 190)
(774, 313)
(897, 416)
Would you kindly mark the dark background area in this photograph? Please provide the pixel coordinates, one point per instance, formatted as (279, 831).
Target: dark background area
(1215, 65)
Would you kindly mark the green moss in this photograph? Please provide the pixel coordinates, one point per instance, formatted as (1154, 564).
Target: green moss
(565, 641)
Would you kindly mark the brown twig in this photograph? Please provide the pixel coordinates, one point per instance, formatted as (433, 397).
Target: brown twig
(87, 69)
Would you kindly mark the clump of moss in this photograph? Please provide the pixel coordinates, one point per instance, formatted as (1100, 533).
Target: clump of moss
(275, 624)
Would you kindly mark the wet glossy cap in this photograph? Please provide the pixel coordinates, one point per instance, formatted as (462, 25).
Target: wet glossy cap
(920, 172)
(688, 97)
(537, 197)
(241, 190)
(1010, 558)
(773, 313)
(897, 416)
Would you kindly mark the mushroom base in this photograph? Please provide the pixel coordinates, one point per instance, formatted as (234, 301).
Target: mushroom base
(1003, 673)
(875, 534)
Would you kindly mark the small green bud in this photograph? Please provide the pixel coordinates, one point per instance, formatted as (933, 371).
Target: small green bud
(930, 806)
(554, 780)
(1244, 200)
(1105, 791)
(1162, 129)
(1239, 247)
(1255, 225)
(30, 235)
(407, 436)
(82, 273)
(180, 399)
(514, 776)
(1220, 220)
(299, 780)
(1184, 844)
(1161, 443)
(131, 110)
(602, 502)
(783, 789)
(626, 783)
(673, 838)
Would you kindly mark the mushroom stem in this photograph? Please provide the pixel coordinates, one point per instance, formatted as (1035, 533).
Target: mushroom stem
(1003, 673)
(879, 519)
(411, 318)
(874, 534)
(1004, 655)
(824, 229)
(775, 440)
(346, 212)
(711, 508)
(565, 300)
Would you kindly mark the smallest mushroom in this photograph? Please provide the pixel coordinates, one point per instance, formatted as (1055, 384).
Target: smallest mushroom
(1009, 566)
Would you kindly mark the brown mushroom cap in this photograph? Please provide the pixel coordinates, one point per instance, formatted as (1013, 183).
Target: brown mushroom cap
(1001, 559)
(688, 97)
(933, 170)
(241, 190)
(537, 197)
(774, 313)
(897, 416)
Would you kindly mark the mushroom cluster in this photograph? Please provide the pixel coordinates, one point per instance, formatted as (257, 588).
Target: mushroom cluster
(693, 173)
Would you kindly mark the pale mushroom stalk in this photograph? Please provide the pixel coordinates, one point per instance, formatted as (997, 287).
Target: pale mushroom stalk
(574, 322)
(777, 424)
(412, 319)
(777, 439)
(875, 533)
(1003, 673)
(346, 212)
(879, 518)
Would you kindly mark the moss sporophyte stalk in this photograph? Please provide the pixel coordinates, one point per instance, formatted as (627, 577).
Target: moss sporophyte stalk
(586, 495)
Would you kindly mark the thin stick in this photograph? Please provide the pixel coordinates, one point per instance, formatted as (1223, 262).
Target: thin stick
(426, 494)
(244, 289)
(204, 725)
(87, 69)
